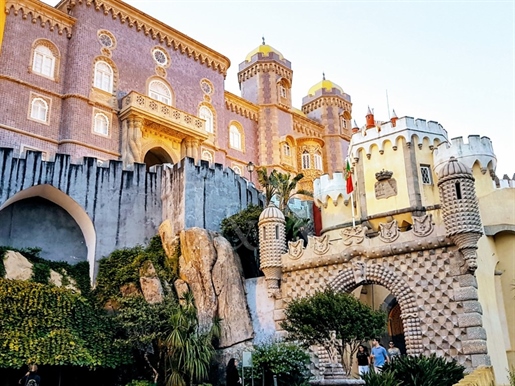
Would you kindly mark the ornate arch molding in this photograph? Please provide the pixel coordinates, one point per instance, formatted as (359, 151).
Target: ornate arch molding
(53, 49)
(361, 273)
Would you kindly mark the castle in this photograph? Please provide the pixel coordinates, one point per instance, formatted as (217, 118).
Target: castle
(113, 122)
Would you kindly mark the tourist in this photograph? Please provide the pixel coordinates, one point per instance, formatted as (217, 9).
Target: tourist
(379, 355)
(393, 351)
(363, 360)
(31, 378)
(232, 376)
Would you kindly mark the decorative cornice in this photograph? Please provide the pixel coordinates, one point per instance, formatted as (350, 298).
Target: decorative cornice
(157, 30)
(321, 101)
(241, 106)
(47, 15)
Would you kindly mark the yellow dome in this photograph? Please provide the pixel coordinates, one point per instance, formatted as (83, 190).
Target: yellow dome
(265, 49)
(324, 84)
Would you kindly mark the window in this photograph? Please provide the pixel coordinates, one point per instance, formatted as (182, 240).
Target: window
(287, 150)
(237, 170)
(101, 124)
(282, 90)
(343, 123)
(457, 186)
(317, 158)
(306, 163)
(235, 137)
(103, 76)
(425, 171)
(206, 114)
(160, 56)
(43, 62)
(159, 91)
(207, 156)
(39, 109)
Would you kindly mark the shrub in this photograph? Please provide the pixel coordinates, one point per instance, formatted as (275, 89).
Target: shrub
(380, 379)
(287, 361)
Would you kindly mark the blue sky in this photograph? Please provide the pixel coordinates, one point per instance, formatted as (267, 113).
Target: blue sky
(448, 61)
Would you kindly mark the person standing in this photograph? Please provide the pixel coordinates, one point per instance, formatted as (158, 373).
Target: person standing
(31, 378)
(232, 376)
(393, 351)
(379, 355)
(363, 360)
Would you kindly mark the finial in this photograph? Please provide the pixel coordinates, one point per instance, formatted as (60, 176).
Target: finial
(370, 112)
(323, 75)
(393, 114)
(263, 40)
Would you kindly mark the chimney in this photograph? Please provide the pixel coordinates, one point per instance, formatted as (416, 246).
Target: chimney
(355, 127)
(394, 118)
(370, 118)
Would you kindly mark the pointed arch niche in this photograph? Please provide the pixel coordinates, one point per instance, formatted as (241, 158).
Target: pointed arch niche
(77, 213)
(362, 274)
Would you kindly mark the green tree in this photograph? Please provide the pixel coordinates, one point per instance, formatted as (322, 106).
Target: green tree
(189, 350)
(287, 361)
(286, 186)
(268, 182)
(310, 320)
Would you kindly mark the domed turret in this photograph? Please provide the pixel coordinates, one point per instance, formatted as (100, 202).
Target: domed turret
(325, 85)
(460, 209)
(264, 49)
(272, 245)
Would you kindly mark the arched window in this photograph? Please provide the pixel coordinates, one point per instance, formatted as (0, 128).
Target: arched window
(44, 61)
(306, 163)
(103, 76)
(206, 114)
(235, 137)
(317, 158)
(237, 170)
(207, 156)
(159, 91)
(101, 124)
(39, 109)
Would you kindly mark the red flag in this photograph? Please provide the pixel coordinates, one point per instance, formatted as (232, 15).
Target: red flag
(348, 176)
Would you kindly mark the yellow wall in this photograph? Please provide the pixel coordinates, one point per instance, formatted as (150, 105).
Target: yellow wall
(429, 193)
(2, 22)
(393, 161)
(484, 184)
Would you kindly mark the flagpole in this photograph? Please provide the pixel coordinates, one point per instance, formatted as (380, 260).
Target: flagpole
(352, 208)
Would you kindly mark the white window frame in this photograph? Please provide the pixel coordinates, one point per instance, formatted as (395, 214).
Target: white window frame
(306, 160)
(157, 94)
(235, 137)
(43, 62)
(207, 156)
(104, 76)
(206, 114)
(96, 124)
(425, 173)
(317, 158)
(36, 113)
(287, 150)
(282, 91)
(236, 169)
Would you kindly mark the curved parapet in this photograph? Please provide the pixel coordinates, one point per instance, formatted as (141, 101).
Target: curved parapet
(410, 129)
(326, 188)
(476, 150)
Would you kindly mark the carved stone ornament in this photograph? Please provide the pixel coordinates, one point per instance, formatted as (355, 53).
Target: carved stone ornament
(320, 244)
(360, 271)
(385, 188)
(423, 225)
(296, 249)
(389, 232)
(384, 175)
(354, 235)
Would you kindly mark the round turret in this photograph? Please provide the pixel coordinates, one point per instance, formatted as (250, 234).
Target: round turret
(272, 245)
(460, 208)
(326, 85)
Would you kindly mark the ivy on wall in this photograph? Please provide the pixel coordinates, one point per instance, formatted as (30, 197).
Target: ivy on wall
(53, 326)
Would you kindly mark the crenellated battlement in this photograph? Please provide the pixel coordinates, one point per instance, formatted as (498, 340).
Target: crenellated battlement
(475, 150)
(408, 128)
(327, 187)
(505, 182)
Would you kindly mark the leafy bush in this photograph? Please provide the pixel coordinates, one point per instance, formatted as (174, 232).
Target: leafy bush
(380, 379)
(511, 376)
(285, 360)
(424, 371)
(140, 383)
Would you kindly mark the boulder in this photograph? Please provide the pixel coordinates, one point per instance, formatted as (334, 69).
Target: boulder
(17, 267)
(150, 283)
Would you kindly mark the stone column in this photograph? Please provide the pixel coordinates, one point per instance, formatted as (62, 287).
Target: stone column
(131, 140)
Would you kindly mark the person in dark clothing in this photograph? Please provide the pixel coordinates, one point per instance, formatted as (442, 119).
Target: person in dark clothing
(31, 378)
(232, 376)
(363, 360)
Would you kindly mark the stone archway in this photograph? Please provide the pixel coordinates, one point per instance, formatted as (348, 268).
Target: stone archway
(156, 156)
(64, 201)
(362, 273)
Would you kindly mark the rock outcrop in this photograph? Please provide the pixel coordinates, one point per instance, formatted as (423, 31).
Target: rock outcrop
(213, 272)
(150, 283)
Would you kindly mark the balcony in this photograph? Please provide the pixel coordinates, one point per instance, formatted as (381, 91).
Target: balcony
(162, 117)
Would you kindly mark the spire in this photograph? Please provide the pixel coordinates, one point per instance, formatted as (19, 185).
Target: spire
(370, 118)
(355, 127)
(394, 118)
